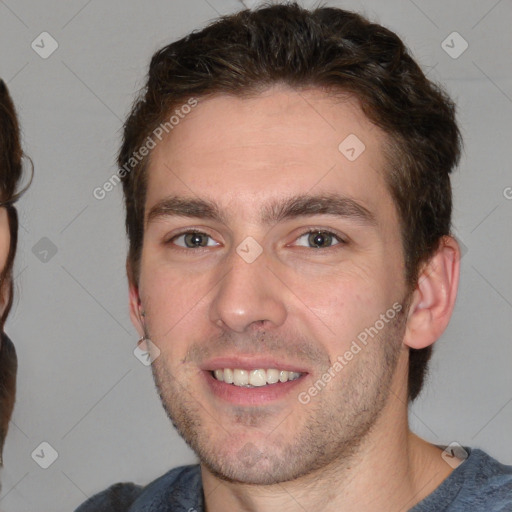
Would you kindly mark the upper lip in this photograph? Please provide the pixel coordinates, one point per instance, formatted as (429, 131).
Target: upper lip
(251, 363)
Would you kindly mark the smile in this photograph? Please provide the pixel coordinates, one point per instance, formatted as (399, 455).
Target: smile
(254, 378)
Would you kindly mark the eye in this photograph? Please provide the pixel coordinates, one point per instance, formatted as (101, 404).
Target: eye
(317, 239)
(193, 239)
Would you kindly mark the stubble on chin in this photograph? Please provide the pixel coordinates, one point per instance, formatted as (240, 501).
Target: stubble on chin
(324, 434)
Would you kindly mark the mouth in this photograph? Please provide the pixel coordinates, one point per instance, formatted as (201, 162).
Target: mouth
(251, 380)
(254, 378)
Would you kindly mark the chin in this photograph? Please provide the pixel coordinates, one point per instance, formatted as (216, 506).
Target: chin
(251, 467)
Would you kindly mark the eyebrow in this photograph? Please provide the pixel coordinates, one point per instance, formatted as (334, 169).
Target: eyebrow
(272, 213)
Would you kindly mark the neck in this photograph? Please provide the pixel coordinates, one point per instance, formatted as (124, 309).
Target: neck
(393, 469)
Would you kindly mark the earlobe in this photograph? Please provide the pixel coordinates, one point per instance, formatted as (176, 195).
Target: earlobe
(433, 299)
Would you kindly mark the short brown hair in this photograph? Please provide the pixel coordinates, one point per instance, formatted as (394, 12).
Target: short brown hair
(337, 51)
(11, 170)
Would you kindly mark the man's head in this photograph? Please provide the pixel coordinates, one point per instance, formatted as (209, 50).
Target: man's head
(287, 122)
(10, 174)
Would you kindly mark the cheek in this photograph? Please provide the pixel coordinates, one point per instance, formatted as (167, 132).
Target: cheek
(338, 306)
(174, 302)
(5, 238)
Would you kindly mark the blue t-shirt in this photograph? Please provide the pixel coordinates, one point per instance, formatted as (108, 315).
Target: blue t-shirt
(479, 484)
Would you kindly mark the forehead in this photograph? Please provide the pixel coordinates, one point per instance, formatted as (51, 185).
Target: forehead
(240, 151)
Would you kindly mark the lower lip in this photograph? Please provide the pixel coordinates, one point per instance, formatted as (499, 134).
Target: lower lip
(258, 395)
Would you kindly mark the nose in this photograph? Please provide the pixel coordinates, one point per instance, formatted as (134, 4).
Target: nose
(248, 296)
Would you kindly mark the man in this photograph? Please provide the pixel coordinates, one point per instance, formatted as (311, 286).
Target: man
(10, 174)
(286, 177)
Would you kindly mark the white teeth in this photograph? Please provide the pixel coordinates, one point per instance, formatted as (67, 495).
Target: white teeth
(272, 376)
(228, 376)
(258, 378)
(254, 378)
(240, 377)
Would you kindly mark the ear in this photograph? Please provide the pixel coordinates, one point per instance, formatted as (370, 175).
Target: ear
(433, 299)
(135, 303)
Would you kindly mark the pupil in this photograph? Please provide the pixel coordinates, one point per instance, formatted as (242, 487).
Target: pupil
(318, 239)
(195, 240)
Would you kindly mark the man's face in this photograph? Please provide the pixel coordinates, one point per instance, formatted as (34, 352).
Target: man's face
(282, 300)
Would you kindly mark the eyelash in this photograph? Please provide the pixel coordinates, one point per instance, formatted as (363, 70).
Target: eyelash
(339, 238)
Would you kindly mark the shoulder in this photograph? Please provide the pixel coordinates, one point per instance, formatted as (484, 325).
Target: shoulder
(114, 499)
(491, 482)
(480, 483)
(183, 484)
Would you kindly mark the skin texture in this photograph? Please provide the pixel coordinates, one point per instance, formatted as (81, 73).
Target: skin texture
(295, 303)
(5, 240)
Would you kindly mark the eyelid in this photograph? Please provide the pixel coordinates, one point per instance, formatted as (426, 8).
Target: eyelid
(170, 238)
(342, 239)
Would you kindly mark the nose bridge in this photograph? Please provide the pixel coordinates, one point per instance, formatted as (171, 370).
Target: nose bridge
(248, 293)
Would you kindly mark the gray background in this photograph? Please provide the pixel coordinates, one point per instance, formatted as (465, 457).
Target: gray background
(80, 388)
